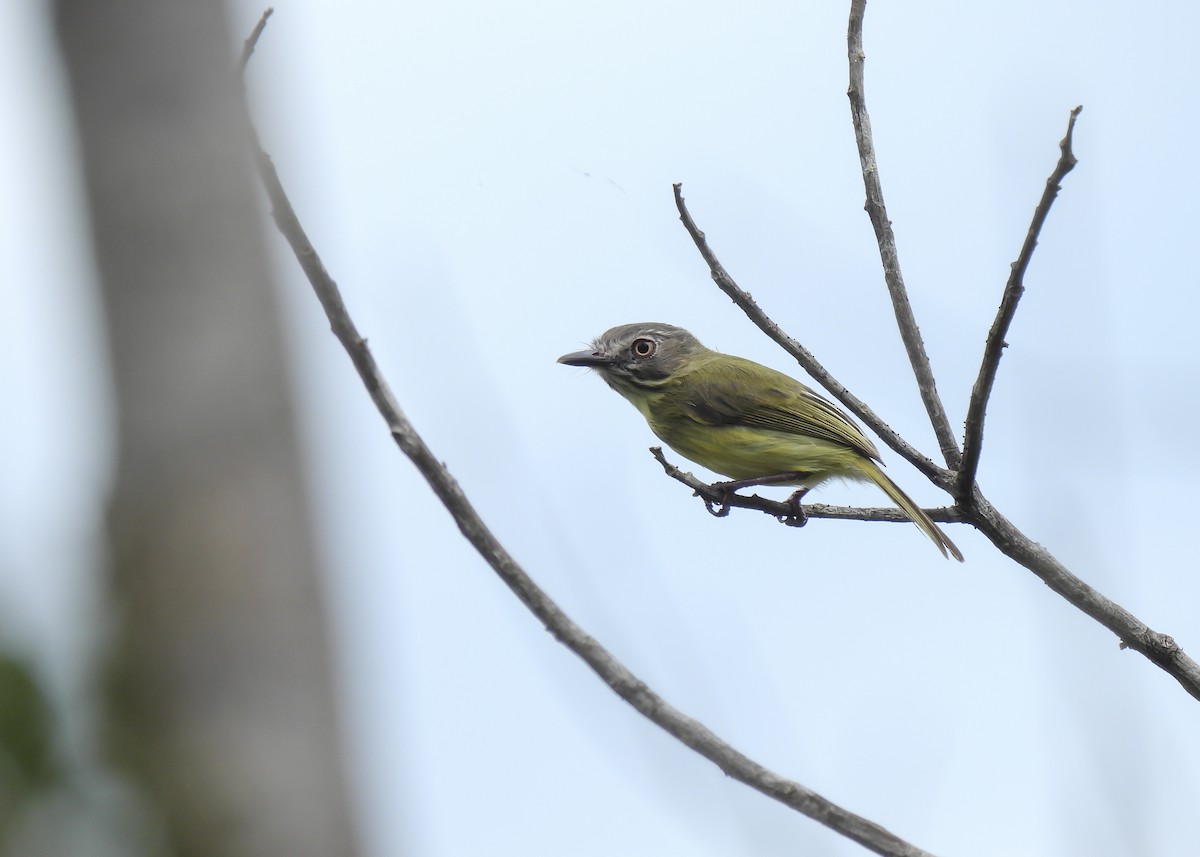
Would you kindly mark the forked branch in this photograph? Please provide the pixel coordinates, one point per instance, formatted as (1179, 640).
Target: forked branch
(971, 506)
(1159, 648)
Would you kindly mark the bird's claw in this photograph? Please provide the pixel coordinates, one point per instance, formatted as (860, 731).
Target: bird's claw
(796, 516)
(721, 510)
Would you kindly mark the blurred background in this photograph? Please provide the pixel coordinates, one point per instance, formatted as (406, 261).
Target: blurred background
(233, 620)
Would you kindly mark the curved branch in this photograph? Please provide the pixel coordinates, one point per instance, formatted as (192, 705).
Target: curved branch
(993, 349)
(877, 211)
(939, 476)
(623, 682)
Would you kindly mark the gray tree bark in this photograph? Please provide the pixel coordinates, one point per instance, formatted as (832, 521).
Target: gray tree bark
(222, 704)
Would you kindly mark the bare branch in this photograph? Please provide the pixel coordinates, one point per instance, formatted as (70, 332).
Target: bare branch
(1159, 648)
(1133, 633)
(939, 476)
(877, 211)
(971, 506)
(719, 502)
(993, 349)
(252, 40)
(623, 682)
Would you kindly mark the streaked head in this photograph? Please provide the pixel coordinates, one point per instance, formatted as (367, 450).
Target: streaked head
(638, 358)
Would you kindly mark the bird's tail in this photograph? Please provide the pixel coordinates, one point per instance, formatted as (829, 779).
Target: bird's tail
(873, 472)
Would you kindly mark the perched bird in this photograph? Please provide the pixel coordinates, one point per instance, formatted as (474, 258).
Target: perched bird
(739, 418)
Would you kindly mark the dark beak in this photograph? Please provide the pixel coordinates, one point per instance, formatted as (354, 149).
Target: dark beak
(592, 359)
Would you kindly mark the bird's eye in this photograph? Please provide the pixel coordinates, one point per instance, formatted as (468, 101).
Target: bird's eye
(643, 347)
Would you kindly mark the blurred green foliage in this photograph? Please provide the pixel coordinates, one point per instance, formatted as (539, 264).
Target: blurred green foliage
(27, 762)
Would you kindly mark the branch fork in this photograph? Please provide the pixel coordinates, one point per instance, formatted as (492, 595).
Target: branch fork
(958, 476)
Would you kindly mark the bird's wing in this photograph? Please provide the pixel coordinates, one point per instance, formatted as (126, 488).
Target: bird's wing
(746, 396)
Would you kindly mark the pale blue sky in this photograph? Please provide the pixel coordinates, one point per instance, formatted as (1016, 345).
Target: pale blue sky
(491, 186)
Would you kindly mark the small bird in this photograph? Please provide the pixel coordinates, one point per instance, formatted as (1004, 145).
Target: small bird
(739, 418)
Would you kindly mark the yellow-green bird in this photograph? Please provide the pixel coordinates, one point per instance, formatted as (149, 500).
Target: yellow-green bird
(739, 418)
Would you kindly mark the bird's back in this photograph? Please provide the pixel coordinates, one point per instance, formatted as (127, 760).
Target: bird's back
(745, 420)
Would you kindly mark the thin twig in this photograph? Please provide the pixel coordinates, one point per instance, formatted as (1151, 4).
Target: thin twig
(628, 686)
(993, 349)
(877, 211)
(252, 40)
(939, 476)
(715, 497)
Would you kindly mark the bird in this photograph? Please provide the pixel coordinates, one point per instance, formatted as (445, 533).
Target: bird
(738, 418)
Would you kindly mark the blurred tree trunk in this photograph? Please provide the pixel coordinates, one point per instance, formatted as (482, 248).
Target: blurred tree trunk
(222, 704)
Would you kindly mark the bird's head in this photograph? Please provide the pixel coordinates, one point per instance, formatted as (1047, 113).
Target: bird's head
(637, 359)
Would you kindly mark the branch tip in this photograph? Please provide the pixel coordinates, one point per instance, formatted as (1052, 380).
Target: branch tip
(251, 42)
(997, 342)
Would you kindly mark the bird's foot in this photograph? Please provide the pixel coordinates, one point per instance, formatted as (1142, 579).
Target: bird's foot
(718, 506)
(717, 503)
(796, 517)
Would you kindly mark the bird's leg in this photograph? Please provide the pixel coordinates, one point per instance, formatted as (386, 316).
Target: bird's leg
(797, 518)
